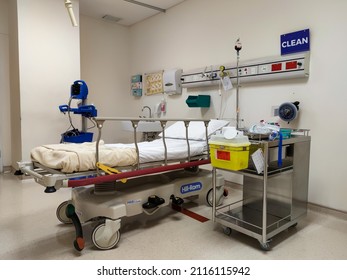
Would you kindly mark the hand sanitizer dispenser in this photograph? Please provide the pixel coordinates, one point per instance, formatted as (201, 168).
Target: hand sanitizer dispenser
(172, 81)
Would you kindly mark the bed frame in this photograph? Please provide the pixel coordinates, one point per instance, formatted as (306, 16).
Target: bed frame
(53, 179)
(102, 197)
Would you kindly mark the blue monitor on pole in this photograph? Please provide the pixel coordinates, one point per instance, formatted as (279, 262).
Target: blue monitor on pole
(79, 90)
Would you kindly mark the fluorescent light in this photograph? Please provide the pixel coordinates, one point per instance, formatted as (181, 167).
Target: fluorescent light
(68, 5)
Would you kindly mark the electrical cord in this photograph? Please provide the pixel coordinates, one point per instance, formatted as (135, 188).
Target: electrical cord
(71, 130)
(94, 123)
(69, 114)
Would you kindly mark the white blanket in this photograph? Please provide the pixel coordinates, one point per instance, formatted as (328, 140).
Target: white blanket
(81, 157)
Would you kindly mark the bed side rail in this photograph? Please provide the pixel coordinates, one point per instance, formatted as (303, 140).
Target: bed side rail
(135, 121)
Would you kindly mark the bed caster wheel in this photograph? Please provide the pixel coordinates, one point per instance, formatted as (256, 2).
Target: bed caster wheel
(264, 246)
(61, 213)
(104, 238)
(227, 231)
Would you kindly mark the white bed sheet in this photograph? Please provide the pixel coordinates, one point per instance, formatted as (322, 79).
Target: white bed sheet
(176, 149)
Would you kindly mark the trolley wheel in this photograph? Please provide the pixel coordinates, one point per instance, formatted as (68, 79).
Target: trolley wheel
(61, 213)
(265, 246)
(294, 225)
(103, 239)
(209, 197)
(227, 230)
(220, 199)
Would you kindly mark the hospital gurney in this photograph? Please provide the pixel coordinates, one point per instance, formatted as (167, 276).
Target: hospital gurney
(106, 193)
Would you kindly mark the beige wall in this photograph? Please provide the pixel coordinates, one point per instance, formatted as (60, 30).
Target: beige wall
(199, 33)
(105, 67)
(48, 63)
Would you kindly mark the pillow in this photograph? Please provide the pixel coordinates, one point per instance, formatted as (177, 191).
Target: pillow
(196, 129)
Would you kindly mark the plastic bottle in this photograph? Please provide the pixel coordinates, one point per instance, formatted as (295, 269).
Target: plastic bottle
(163, 105)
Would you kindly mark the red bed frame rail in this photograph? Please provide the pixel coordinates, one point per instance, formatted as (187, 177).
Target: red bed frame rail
(135, 173)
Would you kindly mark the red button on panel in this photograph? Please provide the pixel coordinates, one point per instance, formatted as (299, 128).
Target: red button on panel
(291, 65)
(276, 67)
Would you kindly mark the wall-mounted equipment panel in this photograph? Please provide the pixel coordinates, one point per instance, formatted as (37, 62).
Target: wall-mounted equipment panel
(265, 69)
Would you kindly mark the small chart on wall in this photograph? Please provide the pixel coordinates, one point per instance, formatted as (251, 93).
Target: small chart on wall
(154, 83)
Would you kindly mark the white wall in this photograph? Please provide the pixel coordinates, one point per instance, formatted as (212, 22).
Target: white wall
(197, 33)
(5, 128)
(105, 68)
(48, 62)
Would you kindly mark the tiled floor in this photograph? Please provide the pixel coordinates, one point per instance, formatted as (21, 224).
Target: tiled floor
(29, 229)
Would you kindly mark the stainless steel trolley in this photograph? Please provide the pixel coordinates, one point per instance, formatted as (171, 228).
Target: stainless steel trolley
(274, 199)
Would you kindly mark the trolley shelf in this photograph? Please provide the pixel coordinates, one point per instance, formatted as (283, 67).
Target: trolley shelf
(251, 219)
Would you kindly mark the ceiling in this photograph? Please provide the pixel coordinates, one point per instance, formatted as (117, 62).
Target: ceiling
(129, 11)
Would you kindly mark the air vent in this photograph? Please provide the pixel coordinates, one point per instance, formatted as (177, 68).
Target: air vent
(111, 18)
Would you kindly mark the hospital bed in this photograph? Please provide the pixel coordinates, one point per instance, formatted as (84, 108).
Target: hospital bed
(111, 181)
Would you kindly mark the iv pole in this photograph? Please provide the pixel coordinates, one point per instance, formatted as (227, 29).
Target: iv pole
(238, 47)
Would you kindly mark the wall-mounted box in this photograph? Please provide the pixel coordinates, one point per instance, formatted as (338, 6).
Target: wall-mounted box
(172, 81)
(136, 85)
(202, 101)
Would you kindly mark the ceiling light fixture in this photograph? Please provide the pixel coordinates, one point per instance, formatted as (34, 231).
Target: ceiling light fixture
(68, 5)
(146, 5)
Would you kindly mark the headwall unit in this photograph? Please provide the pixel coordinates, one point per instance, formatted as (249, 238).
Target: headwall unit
(264, 69)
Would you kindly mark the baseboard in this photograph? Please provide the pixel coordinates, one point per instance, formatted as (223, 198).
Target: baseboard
(326, 210)
(7, 169)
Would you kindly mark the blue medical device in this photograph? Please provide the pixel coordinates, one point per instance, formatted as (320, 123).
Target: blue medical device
(79, 90)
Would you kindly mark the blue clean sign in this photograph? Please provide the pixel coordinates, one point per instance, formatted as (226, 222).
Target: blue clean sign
(192, 187)
(294, 42)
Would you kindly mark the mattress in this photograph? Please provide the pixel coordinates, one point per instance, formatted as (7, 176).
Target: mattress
(71, 157)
